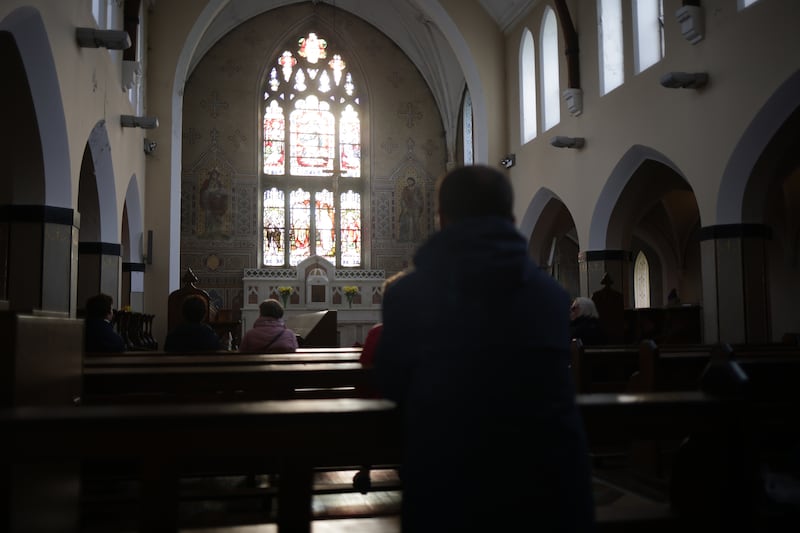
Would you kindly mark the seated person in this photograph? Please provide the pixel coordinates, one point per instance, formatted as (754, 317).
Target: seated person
(269, 333)
(192, 335)
(374, 333)
(585, 322)
(100, 334)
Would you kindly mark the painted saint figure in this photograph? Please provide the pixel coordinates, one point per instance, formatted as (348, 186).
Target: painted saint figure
(409, 227)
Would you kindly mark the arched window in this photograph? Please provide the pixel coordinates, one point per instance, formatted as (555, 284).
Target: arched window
(641, 281)
(648, 16)
(609, 16)
(551, 93)
(466, 129)
(527, 90)
(311, 171)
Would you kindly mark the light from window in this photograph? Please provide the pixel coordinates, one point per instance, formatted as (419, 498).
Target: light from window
(746, 3)
(351, 228)
(649, 46)
(98, 13)
(325, 212)
(311, 138)
(274, 227)
(527, 92)
(111, 14)
(300, 228)
(274, 135)
(311, 148)
(641, 281)
(612, 74)
(350, 143)
(551, 93)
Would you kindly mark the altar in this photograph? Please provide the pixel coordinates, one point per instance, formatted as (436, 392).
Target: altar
(314, 285)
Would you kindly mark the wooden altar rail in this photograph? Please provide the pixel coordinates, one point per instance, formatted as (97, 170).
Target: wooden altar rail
(294, 437)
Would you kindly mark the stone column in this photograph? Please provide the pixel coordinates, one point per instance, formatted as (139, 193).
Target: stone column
(735, 291)
(99, 270)
(39, 266)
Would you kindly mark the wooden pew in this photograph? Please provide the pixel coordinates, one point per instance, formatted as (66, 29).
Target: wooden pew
(771, 368)
(352, 351)
(290, 438)
(218, 359)
(599, 369)
(186, 383)
(295, 437)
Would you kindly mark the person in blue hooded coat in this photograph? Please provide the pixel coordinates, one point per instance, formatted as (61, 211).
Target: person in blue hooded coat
(475, 351)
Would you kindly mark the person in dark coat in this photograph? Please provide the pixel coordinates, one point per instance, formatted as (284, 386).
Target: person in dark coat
(192, 335)
(584, 322)
(475, 351)
(99, 333)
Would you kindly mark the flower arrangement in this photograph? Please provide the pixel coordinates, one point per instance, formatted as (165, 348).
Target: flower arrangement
(350, 292)
(285, 292)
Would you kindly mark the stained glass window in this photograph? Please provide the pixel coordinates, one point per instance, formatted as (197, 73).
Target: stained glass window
(311, 149)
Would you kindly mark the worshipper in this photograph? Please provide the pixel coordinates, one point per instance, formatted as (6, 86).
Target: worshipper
(475, 351)
(99, 332)
(192, 335)
(374, 333)
(584, 322)
(269, 333)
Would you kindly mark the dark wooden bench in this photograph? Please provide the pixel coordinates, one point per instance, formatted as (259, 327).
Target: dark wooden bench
(598, 369)
(771, 368)
(291, 438)
(143, 359)
(197, 383)
(295, 437)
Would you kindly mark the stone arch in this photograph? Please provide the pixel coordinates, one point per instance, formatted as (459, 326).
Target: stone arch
(601, 235)
(135, 222)
(552, 238)
(738, 173)
(28, 32)
(648, 203)
(99, 147)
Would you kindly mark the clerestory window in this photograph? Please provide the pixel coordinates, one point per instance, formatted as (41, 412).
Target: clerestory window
(311, 172)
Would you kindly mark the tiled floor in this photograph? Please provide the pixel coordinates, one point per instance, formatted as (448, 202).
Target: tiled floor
(337, 507)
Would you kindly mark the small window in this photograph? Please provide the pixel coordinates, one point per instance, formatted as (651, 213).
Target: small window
(746, 3)
(99, 14)
(551, 92)
(466, 129)
(648, 16)
(609, 15)
(527, 90)
(641, 281)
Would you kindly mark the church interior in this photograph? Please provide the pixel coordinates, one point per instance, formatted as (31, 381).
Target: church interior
(290, 149)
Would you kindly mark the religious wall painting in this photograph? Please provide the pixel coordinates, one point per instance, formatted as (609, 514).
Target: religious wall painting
(411, 204)
(214, 205)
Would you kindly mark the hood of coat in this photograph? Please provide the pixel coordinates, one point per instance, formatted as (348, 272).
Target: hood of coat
(268, 322)
(487, 248)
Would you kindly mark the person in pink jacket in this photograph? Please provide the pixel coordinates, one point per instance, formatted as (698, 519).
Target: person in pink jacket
(269, 333)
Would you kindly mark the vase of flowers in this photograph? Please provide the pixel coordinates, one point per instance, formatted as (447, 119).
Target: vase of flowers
(350, 292)
(285, 292)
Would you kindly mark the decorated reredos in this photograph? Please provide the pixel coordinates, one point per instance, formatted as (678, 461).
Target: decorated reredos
(315, 283)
